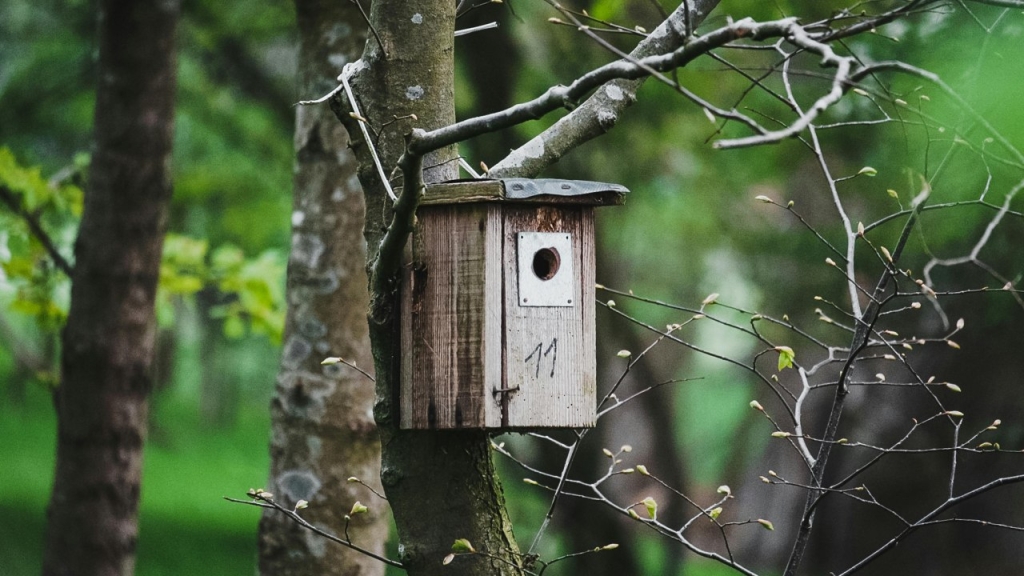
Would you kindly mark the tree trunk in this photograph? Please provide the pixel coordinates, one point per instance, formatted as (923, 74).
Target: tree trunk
(109, 338)
(441, 485)
(322, 429)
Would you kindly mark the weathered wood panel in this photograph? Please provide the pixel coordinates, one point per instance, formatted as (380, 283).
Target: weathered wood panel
(474, 191)
(550, 351)
(451, 319)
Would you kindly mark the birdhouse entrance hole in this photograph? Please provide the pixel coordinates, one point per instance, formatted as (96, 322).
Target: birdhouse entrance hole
(546, 275)
(545, 263)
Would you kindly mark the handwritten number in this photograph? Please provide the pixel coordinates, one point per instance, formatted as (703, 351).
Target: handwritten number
(536, 352)
(553, 350)
(540, 352)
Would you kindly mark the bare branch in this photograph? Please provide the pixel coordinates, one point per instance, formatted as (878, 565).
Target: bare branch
(603, 108)
(263, 500)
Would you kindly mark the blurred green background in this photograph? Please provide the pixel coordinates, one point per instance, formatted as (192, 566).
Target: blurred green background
(690, 228)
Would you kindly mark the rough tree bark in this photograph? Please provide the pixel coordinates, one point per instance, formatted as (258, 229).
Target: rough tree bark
(322, 428)
(440, 485)
(109, 338)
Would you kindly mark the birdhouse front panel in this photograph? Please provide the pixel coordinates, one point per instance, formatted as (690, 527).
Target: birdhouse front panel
(497, 322)
(550, 367)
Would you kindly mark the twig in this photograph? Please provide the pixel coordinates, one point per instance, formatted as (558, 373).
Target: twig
(860, 340)
(340, 360)
(261, 501)
(366, 17)
(480, 28)
(10, 198)
(347, 71)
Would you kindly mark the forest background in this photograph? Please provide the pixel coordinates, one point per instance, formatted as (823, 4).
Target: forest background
(691, 227)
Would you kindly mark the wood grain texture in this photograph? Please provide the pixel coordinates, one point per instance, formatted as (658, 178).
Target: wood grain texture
(549, 351)
(465, 335)
(475, 191)
(451, 315)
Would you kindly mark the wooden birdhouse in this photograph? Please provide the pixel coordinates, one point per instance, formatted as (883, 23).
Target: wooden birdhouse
(498, 305)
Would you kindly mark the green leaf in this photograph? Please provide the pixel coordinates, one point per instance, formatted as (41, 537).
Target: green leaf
(786, 357)
(462, 546)
(651, 506)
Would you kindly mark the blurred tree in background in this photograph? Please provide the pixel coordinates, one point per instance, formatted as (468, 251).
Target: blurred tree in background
(322, 430)
(690, 228)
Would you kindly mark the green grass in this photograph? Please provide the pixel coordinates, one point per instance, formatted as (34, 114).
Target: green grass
(185, 527)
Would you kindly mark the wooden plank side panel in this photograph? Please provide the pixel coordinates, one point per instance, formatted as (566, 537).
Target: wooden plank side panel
(493, 334)
(446, 318)
(549, 351)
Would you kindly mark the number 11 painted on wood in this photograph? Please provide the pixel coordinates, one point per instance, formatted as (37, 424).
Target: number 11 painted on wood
(541, 353)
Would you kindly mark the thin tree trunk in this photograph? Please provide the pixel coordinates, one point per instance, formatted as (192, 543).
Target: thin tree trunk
(109, 338)
(441, 485)
(322, 429)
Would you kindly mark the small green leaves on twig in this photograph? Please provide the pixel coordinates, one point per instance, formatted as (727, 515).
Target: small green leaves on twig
(642, 469)
(462, 546)
(786, 357)
(766, 523)
(260, 494)
(867, 171)
(358, 508)
(652, 507)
